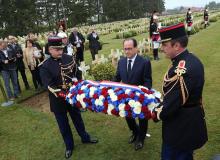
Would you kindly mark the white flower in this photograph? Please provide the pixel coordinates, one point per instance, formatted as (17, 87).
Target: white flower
(83, 87)
(152, 105)
(70, 101)
(122, 114)
(98, 102)
(110, 108)
(83, 104)
(132, 103)
(121, 107)
(113, 97)
(101, 98)
(110, 91)
(137, 109)
(91, 93)
(127, 91)
(149, 96)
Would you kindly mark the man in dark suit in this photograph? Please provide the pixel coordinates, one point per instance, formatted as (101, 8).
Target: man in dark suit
(54, 77)
(77, 40)
(135, 70)
(181, 112)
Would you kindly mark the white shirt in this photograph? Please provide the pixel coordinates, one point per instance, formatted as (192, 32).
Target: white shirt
(5, 53)
(132, 61)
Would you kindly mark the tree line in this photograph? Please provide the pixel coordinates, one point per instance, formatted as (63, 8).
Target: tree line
(18, 17)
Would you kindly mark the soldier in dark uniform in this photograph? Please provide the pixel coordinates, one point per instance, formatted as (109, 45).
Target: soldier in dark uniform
(155, 37)
(189, 21)
(56, 73)
(206, 17)
(182, 114)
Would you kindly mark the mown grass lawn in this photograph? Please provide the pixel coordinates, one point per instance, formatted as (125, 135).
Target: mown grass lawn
(26, 134)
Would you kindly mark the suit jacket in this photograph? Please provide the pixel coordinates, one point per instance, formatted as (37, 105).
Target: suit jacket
(11, 65)
(140, 73)
(72, 39)
(93, 42)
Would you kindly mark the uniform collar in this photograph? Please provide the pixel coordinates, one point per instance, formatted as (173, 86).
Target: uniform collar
(179, 56)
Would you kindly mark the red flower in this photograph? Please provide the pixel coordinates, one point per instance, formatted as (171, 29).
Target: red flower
(78, 105)
(120, 97)
(132, 95)
(106, 104)
(144, 109)
(141, 98)
(114, 112)
(127, 107)
(146, 91)
(80, 91)
(95, 96)
(104, 92)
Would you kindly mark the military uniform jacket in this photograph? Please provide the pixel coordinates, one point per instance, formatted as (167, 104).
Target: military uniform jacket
(50, 72)
(183, 125)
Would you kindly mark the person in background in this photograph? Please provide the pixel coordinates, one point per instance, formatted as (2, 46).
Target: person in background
(206, 17)
(32, 58)
(69, 49)
(77, 40)
(8, 64)
(155, 37)
(94, 44)
(134, 70)
(181, 112)
(189, 21)
(13, 43)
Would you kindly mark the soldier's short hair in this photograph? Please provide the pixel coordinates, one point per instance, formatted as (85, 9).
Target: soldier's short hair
(183, 41)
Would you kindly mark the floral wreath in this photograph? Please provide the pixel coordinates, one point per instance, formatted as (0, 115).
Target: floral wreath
(113, 98)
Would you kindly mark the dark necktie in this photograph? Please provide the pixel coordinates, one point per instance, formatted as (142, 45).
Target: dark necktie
(129, 66)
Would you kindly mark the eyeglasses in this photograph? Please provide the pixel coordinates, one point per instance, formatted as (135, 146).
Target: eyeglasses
(128, 49)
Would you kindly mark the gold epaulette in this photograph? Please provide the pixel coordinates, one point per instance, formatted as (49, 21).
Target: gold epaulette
(180, 70)
(41, 63)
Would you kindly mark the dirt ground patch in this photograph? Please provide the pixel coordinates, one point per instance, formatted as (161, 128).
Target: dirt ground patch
(39, 102)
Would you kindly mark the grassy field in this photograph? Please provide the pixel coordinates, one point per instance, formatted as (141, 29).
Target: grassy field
(26, 134)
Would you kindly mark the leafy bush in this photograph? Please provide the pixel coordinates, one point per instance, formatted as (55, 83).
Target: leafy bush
(213, 19)
(116, 29)
(127, 34)
(102, 71)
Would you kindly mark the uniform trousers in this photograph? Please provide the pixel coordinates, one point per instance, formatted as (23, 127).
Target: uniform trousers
(171, 153)
(64, 126)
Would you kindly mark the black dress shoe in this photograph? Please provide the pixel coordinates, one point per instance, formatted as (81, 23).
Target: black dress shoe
(132, 139)
(91, 140)
(138, 145)
(68, 153)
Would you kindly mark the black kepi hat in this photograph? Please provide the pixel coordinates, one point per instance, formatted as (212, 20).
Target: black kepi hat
(172, 32)
(55, 42)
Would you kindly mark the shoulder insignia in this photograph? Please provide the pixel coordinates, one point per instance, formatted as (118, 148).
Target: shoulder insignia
(42, 62)
(180, 69)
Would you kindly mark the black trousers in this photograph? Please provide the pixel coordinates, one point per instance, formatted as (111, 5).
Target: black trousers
(93, 51)
(155, 53)
(79, 54)
(36, 78)
(138, 130)
(64, 126)
(24, 78)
